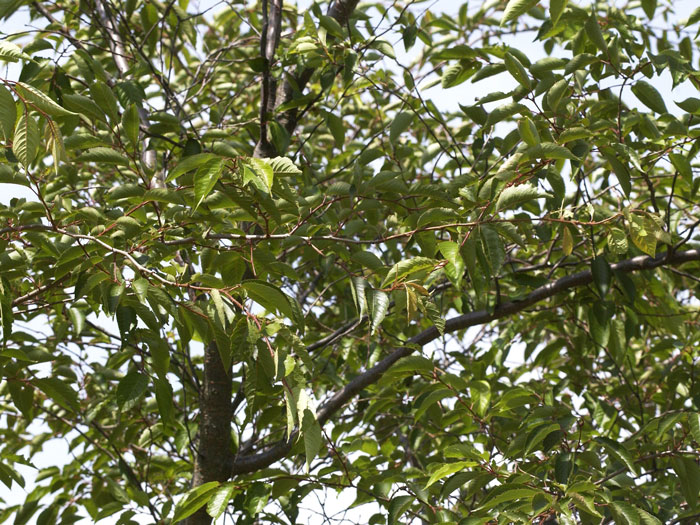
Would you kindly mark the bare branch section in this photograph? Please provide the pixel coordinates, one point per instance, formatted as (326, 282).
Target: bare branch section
(255, 462)
(340, 11)
(269, 40)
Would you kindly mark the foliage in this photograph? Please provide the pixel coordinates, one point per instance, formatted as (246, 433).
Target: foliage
(257, 247)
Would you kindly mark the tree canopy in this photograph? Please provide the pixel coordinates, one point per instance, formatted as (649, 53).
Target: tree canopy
(263, 261)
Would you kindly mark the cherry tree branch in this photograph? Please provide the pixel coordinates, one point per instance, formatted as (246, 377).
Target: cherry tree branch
(253, 462)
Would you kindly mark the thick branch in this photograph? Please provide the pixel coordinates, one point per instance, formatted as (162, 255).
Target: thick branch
(340, 10)
(355, 386)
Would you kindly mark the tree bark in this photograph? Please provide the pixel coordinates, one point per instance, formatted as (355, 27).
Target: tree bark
(214, 459)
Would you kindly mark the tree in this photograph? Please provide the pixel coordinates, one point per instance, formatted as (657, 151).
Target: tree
(262, 263)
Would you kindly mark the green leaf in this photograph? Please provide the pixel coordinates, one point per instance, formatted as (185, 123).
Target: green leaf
(509, 493)
(59, 392)
(690, 105)
(455, 266)
(688, 473)
(556, 8)
(283, 166)
(528, 131)
(262, 174)
(189, 163)
(130, 388)
(84, 105)
(401, 122)
(549, 150)
(103, 155)
(397, 507)
(41, 101)
(103, 95)
(311, 434)
(269, 297)
(617, 451)
(649, 96)
(617, 241)
(335, 124)
(512, 196)
(220, 500)
(447, 469)
(10, 52)
(77, 317)
(130, 124)
(8, 113)
(515, 8)
(694, 423)
(682, 164)
(26, 140)
(380, 304)
(195, 499)
(206, 177)
(480, 392)
(407, 267)
(694, 17)
(643, 233)
(649, 7)
(595, 34)
(571, 134)
(384, 48)
(493, 248)
(600, 269)
(358, 285)
(517, 71)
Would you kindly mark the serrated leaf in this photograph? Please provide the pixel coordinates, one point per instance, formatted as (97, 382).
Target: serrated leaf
(380, 304)
(262, 177)
(26, 139)
(206, 177)
(514, 195)
(41, 101)
(10, 52)
(649, 96)
(515, 8)
(358, 286)
(433, 312)
(407, 267)
(130, 388)
(401, 123)
(480, 393)
(102, 155)
(283, 166)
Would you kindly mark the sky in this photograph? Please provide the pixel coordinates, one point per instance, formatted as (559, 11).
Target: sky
(445, 100)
